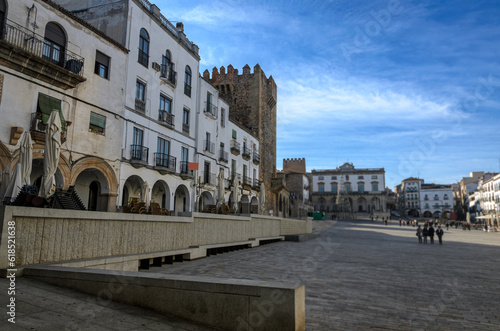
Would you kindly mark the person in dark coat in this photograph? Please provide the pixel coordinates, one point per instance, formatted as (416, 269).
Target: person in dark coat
(425, 233)
(431, 233)
(419, 234)
(439, 233)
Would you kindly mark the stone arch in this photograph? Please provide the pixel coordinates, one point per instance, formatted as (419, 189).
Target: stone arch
(361, 205)
(245, 204)
(132, 189)
(95, 163)
(254, 209)
(427, 213)
(205, 200)
(160, 193)
(181, 199)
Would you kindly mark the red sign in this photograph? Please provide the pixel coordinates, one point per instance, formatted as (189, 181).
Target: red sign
(192, 166)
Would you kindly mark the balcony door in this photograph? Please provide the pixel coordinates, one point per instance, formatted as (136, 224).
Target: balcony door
(3, 11)
(54, 43)
(137, 144)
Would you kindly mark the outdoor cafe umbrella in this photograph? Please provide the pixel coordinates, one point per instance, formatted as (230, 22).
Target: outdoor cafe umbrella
(145, 194)
(26, 158)
(15, 184)
(52, 153)
(236, 189)
(5, 182)
(220, 187)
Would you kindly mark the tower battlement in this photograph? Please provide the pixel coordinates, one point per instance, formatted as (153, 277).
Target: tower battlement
(294, 165)
(232, 76)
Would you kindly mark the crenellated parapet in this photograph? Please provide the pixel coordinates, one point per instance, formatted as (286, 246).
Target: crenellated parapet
(294, 165)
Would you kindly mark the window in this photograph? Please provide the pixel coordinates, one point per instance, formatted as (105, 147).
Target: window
(44, 108)
(184, 160)
(348, 188)
(320, 178)
(167, 68)
(208, 146)
(206, 173)
(144, 48)
(54, 43)
(347, 177)
(185, 120)
(334, 188)
(3, 9)
(334, 177)
(436, 197)
(97, 123)
(360, 177)
(374, 177)
(102, 65)
(162, 153)
(137, 148)
(140, 96)
(222, 117)
(245, 173)
(361, 188)
(165, 110)
(233, 169)
(375, 187)
(235, 134)
(321, 187)
(187, 81)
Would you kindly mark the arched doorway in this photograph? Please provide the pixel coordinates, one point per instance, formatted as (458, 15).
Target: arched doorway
(427, 214)
(37, 174)
(362, 208)
(94, 192)
(254, 205)
(206, 199)
(161, 194)
(245, 204)
(181, 199)
(132, 189)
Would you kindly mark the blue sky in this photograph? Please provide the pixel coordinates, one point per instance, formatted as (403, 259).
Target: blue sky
(411, 86)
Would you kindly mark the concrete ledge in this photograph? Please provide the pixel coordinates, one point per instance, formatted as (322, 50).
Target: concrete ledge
(225, 304)
(301, 237)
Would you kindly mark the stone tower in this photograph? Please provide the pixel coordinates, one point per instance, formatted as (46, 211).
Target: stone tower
(252, 103)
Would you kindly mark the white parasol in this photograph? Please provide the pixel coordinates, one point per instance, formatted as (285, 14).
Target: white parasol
(15, 184)
(26, 158)
(52, 153)
(145, 194)
(236, 190)
(220, 187)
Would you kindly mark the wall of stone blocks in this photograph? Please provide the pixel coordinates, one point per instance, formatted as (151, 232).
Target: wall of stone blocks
(51, 235)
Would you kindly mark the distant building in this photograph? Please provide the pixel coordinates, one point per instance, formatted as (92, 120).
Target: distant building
(418, 199)
(298, 184)
(364, 187)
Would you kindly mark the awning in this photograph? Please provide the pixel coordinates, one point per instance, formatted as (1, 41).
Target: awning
(45, 106)
(486, 216)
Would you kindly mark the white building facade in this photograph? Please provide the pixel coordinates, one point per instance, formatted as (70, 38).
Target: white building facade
(436, 201)
(52, 60)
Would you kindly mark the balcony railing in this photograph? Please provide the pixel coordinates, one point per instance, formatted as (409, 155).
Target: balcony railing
(140, 105)
(187, 90)
(235, 147)
(256, 158)
(139, 153)
(208, 178)
(256, 184)
(235, 175)
(166, 117)
(247, 180)
(35, 44)
(165, 160)
(185, 169)
(167, 74)
(211, 110)
(38, 128)
(223, 156)
(209, 146)
(246, 153)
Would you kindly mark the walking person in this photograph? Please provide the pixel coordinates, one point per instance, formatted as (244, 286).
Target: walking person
(399, 222)
(431, 234)
(440, 233)
(425, 233)
(447, 225)
(419, 234)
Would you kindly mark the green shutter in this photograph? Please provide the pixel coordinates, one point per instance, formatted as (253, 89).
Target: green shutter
(98, 120)
(234, 134)
(45, 106)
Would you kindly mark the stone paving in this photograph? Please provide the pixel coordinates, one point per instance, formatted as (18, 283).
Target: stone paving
(361, 275)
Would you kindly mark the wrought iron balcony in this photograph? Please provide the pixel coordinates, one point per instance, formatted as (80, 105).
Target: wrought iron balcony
(168, 75)
(235, 147)
(208, 178)
(210, 110)
(140, 105)
(164, 162)
(246, 153)
(166, 118)
(235, 175)
(209, 146)
(223, 156)
(247, 181)
(139, 155)
(38, 129)
(27, 52)
(256, 158)
(256, 184)
(185, 172)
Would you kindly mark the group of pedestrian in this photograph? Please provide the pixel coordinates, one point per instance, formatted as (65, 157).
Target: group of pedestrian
(428, 231)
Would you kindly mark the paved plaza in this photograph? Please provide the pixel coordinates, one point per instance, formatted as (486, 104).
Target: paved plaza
(359, 275)
(366, 276)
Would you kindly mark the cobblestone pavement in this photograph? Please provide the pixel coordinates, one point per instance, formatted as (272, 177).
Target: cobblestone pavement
(361, 275)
